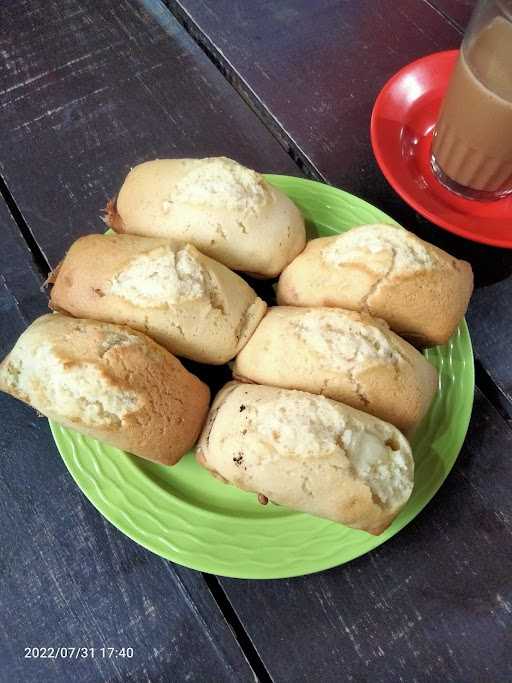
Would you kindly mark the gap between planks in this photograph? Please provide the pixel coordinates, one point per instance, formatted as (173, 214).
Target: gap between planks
(239, 632)
(454, 24)
(498, 398)
(244, 91)
(40, 260)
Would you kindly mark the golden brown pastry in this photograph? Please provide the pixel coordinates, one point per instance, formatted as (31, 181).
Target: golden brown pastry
(228, 211)
(344, 355)
(419, 290)
(108, 382)
(189, 303)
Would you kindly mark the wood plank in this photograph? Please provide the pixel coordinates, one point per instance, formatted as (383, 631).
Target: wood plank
(316, 69)
(458, 11)
(69, 578)
(88, 89)
(432, 604)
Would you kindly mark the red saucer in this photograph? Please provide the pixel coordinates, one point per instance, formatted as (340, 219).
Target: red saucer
(403, 119)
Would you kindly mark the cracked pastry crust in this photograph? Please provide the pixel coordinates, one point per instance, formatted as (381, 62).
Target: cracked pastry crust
(309, 453)
(109, 382)
(192, 305)
(344, 355)
(421, 291)
(226, 210)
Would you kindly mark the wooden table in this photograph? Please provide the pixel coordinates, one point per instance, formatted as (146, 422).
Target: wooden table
(89, 88)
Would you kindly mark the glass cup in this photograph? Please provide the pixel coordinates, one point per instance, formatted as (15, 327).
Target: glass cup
(472, 142)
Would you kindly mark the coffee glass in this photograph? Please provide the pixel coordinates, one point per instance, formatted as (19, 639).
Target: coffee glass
(472, 141)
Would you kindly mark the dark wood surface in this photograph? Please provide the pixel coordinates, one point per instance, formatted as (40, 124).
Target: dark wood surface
(458, 11)
(88, 89)
(316, 69)
(91, 88)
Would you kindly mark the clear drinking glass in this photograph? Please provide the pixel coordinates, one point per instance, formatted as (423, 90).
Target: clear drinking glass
(472, 143)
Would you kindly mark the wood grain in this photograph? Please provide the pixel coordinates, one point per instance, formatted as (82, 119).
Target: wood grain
(67, 577)
(88, 89)
(458, 11)
(317, 67)
(315, 70)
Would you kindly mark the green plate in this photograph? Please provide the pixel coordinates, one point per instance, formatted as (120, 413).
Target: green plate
(185, 515)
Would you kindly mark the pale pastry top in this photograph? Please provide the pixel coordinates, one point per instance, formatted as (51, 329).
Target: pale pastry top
(160, 277)
(341, 341)
(221, 183)
(80, 392)
(312, 429)
(393, 250)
